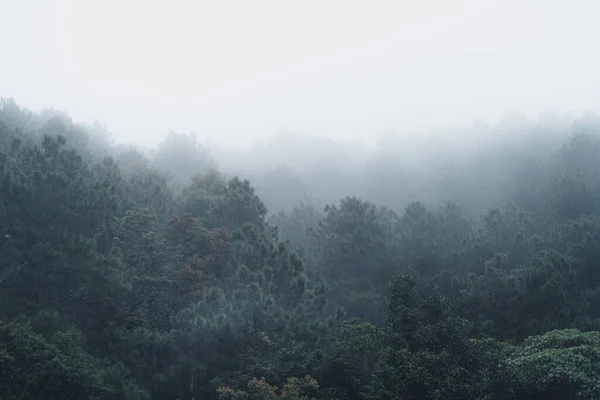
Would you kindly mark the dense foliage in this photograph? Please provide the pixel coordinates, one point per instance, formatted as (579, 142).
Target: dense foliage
(118, 283)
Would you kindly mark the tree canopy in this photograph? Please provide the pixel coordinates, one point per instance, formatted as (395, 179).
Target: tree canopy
(117, 284)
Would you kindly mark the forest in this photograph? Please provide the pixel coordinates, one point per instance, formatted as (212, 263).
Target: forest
(460, 265)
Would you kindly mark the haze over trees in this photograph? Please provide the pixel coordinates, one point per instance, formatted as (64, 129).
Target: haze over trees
(457, 265)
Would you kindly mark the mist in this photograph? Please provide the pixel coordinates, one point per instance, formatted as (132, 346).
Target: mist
(341, 98)
(473, 166)
(302, 201)
(236, 73)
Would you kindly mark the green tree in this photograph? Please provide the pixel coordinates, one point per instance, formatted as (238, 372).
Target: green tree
(238, 205)
(558, 365)
(32, 367)
(427, 353)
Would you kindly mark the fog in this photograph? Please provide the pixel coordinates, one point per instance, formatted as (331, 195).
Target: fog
(312, 102)
(393, 102)
(345, 199)
(235, 72)
(477, 167)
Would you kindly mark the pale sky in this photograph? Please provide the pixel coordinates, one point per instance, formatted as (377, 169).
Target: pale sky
(235, 71)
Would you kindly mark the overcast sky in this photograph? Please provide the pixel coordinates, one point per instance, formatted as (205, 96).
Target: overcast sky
(241, 70)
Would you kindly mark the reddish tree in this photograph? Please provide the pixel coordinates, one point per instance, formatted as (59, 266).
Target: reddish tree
(203, 252)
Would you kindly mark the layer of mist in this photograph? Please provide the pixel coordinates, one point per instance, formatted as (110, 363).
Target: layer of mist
(473, 166)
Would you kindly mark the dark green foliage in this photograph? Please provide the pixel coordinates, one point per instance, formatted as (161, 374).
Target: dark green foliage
(356, 245)
(427, 353)
(202, 192)
(259, 389)
(431, 241)
(575, 189)
(298, 226)
(31, 367)
(53, 203)
(558, 365)
(580, 238)
(113, 285)
(531, 299)
(508, 230)
(236, 206)
(351, 353)
(279, 312)
(143, 185)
